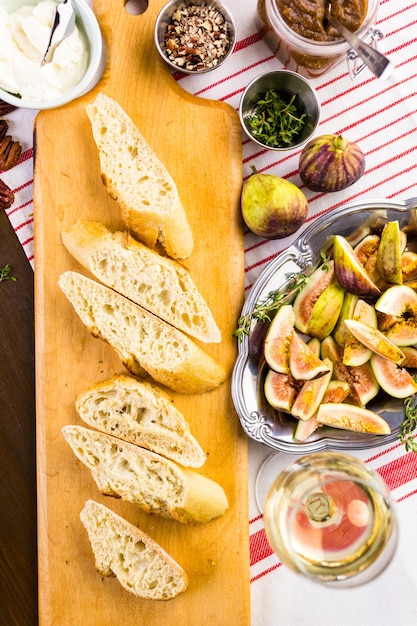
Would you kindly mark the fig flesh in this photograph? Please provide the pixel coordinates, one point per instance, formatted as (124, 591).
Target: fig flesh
(326, 311)
(304, 430)
(311, 395)
(363, 380)
(398, 300)
(349, 272)
(280, 390)
(308, 295)
(272, 207)
(304, 364)
(278, 338)
(393, 379)
(340, 332)
(376, 341)
(350, 417)
(388, 260)
(355, 352)
(408, 265)
(330, 163)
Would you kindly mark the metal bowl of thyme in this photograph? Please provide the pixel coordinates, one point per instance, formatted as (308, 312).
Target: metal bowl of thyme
(279, 110)
(194, 36)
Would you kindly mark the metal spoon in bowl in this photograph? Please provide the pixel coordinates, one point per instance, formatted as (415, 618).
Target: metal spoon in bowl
(379, 64)
(62, 26)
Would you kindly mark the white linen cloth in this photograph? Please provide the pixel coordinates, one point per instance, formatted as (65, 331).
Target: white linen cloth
(381, 116)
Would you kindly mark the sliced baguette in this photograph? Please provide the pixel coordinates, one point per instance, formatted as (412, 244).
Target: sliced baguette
(123, 550)
(143, 414)
(156, 484)
(143, 341)
(157, 283)
(135, 177)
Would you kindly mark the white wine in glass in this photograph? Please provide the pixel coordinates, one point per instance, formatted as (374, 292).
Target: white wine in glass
(328, 516)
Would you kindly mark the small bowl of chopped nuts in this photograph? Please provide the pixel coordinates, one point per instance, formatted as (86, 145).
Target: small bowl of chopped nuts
(279, 110)
(194, 36)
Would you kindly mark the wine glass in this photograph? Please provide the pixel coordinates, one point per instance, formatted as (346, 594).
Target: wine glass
(329, 517)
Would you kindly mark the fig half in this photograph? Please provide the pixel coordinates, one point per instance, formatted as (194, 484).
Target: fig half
(278, 338)
(388, 260)
(350, 417)
(304, 363)
(393, 379)
(349, 272)
(376, 341)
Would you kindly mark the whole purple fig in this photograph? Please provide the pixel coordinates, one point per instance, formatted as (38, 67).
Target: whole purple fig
(330, 163)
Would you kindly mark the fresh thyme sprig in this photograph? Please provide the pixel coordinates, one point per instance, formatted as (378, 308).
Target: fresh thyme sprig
(263, 310)
(5, 273)
(409, 424)
(274, 121)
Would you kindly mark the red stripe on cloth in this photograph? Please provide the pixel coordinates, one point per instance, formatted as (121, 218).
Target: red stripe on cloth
(259, 547)
(400, 471)
(265, 572)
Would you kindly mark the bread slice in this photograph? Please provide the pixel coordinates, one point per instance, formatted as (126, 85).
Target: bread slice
(135, 177)
(157, 283)
(123, 550)
(144, 342)
(137, 475)
(141, 413)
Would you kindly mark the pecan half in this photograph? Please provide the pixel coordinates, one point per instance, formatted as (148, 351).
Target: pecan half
(9, 152)
(6, 196)
(6, 108)
(4, 125)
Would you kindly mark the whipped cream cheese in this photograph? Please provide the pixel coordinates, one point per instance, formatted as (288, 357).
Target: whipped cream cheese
(24, 37)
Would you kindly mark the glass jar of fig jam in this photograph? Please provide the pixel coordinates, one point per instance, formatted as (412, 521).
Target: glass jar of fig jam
(301, 37)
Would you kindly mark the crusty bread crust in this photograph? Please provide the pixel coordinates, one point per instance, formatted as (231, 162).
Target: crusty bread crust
(154, 483)
(158, 284)
(143, 414)
(120, 549)
(138, 181)
(143, 341)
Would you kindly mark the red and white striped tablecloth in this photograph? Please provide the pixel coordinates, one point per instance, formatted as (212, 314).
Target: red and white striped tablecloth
(381, 116)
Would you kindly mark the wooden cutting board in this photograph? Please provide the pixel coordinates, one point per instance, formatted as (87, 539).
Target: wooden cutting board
(200, 143)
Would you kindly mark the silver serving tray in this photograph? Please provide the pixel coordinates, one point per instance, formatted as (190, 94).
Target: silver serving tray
(258, 419)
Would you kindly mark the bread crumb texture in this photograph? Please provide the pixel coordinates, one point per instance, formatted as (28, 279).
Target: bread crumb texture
(123, 550)
(158, 485)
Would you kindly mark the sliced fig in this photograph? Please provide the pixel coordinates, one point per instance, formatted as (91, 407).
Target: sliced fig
(410, 357)
(280, 390)
(305, 429)
(349, 272)
(337, 391)
(388, 260)
(330, 350)
(355, 352)
(304, 364)
(314, 345)
(310, 293)
(326, 311)
(278, 338)
(398, 300)
(409, 265)
(311, 394)
(393, 379)
(403, 333)
(364, 382)
(367, 249)
(398, 306)
(350, 417)
(340, 332)
(376, 341)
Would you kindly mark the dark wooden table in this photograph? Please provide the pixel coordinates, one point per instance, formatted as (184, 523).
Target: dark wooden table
(18, 562)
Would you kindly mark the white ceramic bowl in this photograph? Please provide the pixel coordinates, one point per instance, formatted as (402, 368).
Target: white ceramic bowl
(87, 23)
